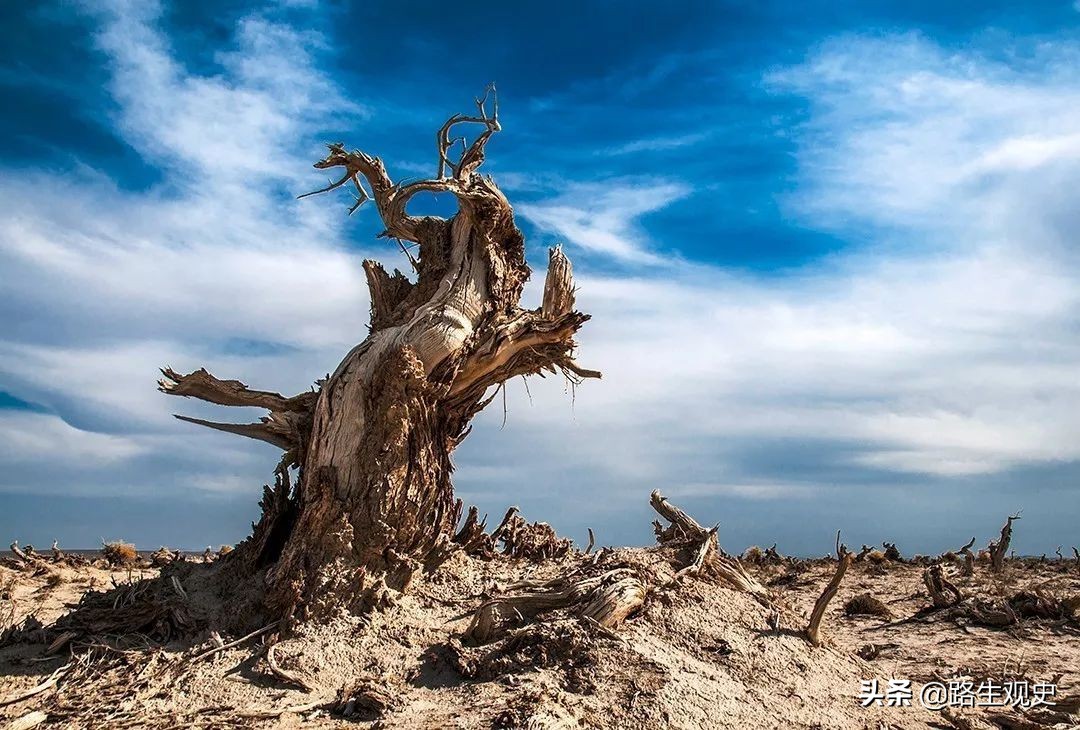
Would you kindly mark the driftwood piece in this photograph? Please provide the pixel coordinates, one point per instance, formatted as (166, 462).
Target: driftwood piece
(27, 721)
(844, 561)
(685, 530)
(284, 674)
(998, 550)
(48, 684)
(18, 552)
(608, 599)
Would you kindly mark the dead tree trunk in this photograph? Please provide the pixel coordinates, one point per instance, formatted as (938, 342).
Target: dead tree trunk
(942, 592)
(998, 550)
(969, 559)
(374, 500)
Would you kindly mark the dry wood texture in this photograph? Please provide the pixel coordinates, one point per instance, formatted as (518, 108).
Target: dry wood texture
(373, 440)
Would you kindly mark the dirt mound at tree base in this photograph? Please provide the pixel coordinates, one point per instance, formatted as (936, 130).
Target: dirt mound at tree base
(697, 654)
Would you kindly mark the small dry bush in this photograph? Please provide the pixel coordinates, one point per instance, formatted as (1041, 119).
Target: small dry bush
(753, 554)
(224, 550)
(876, 557)
(866, 605)
(119, 552)
(54, 580)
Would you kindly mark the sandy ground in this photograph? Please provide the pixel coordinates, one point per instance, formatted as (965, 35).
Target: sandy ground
(699, 655)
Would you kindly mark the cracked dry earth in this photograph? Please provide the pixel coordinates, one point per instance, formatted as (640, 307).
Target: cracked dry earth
(697, 655)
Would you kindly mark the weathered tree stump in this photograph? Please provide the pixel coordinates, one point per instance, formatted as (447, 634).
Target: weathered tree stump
(372, 441)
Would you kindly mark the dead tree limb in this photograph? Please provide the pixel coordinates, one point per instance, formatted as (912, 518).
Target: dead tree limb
(844, 558)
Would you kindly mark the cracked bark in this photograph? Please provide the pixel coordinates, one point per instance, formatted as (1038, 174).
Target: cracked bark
(373, 500)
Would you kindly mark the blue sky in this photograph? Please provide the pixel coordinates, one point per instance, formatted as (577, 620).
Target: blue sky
(830, 250)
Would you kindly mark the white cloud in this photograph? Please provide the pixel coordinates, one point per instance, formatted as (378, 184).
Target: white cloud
(946, 348)
(40, 437)
(661, 143)
(106, 285)
(600, 218)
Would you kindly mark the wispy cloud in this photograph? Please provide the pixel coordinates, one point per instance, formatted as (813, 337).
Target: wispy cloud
(657, 144)
(602, 217)
(111, 284)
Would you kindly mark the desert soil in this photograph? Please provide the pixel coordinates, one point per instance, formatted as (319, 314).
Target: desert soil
(698, 655)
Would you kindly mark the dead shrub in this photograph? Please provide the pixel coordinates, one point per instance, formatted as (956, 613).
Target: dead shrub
(876, 557)
(866, 605)
(753, 554)
(119, 552)
(224, 550)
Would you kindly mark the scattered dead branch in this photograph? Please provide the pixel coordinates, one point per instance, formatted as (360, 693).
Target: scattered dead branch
(36, 690)
(243, 639)
(284, 674)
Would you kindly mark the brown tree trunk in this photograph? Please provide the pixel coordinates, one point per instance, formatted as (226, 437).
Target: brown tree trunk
(374, 499)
